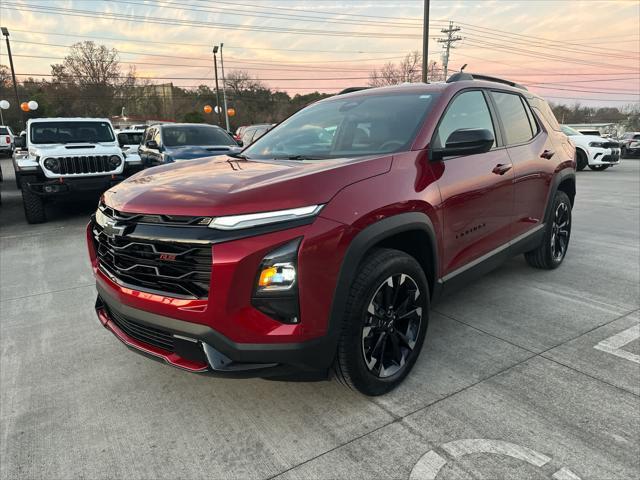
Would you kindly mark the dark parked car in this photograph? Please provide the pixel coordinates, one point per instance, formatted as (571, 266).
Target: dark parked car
(322, 245)
(630, 143)
(170, 142)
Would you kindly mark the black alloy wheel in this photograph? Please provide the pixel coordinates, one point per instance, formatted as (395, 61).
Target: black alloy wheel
(560, 229)
(390, 332)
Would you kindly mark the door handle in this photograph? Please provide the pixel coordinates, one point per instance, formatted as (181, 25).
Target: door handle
(547, 154)
(501, 168)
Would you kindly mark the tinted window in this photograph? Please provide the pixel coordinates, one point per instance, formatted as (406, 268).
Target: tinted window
(183, 135)
(514, 118)
(347, 126)
(130, 138)
(71, 132)
(532, 119)
(4, 131)
(467, 110)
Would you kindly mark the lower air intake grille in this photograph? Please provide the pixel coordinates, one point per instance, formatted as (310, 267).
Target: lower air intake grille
(149, 335)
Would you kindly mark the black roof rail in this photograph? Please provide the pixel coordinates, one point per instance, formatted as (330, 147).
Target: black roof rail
(352, 89)
(459, 77)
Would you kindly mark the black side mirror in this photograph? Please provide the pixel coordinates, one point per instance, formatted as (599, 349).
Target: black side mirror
(152, 144)
(239, 142)
(19, 142)
(465, 141)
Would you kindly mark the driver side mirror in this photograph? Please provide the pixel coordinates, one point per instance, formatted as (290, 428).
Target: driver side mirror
(20, 142)
(465, 141)
(152, 144)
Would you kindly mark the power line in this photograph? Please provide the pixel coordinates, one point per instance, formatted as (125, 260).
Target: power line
(448, 43)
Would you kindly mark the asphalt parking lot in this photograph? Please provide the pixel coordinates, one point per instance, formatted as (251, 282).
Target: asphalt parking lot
(525, 374)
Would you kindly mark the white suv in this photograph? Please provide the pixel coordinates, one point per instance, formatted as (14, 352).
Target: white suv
(594, 151)
(64, 156)
(6, 140)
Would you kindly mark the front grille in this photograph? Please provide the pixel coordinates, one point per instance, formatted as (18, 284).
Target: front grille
(143, 333)
(84, 164)
(171, 268)
(611, 145)
(154, 218)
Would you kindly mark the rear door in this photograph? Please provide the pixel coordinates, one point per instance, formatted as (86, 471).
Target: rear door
(476, 190)
(533, 156)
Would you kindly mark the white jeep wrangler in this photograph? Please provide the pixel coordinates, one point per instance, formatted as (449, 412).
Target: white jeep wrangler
(63, 156)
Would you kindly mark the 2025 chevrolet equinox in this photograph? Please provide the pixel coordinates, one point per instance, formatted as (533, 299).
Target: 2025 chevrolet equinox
(320, 247)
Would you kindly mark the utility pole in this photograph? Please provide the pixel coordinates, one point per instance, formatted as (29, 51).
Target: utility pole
(449, 44)
(224, 89)
(215, 69)
(425, 43)
(5, 32)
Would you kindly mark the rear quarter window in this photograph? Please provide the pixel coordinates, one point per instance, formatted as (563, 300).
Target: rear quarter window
(4, 131)
(516, 123)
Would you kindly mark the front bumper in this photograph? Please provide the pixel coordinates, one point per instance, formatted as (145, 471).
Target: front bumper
(604, 156)
(200, 349)
(66, 186)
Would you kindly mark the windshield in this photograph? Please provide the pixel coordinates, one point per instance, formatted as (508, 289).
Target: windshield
(346, 127)
(183, 135)
(130, 138)
(71, 132)
(569, 131)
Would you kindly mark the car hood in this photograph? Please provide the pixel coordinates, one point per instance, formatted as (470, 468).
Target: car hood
(585, 140)
(198, 151)
(73, 149)
(225, 185)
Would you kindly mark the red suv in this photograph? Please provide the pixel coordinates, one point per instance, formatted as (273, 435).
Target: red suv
(321, 246)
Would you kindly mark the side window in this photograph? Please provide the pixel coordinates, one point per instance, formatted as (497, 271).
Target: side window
(532, 120)
(467, 110)
(514, 117)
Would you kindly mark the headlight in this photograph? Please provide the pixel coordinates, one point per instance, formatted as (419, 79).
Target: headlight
(276, 289)
(101, 218)
(236, 222)
(114, 161)
(52, 164)
(596, 144)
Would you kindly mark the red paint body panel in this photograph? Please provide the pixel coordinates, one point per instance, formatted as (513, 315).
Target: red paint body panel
(473, 210)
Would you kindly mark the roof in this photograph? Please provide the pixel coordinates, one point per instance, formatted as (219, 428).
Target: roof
(68, 119)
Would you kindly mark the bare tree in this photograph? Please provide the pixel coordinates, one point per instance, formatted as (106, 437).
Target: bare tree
(90, 79)
(239, 81)
(408, 70)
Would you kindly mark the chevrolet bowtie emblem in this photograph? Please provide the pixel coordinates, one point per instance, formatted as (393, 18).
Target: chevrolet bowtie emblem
(111, 229)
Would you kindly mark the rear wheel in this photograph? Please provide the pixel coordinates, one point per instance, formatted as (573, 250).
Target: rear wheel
(581, 160)
(384, 324)
(552, 250)
(598, 168)
(33, 206)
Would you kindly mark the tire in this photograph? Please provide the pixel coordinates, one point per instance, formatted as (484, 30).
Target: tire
(33, 207)
(398, 333)
(623, 152)
(550, 255)
(598, 168)
(581, 160)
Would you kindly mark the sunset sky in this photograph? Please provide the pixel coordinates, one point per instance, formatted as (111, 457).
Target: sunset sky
(568, 51)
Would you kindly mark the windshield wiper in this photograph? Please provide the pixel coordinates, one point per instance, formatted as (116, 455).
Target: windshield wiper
(238, 155)
(301, 157)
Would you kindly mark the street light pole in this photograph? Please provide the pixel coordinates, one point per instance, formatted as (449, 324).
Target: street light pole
(425, 43)
(5, 32)
(224, 89)
(215, 69)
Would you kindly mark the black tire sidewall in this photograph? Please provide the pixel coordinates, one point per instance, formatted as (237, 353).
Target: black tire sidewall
(392, 264)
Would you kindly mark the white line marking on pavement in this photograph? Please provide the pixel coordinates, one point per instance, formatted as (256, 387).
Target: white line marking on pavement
(430, 464)
(614, 344)
(565, 474)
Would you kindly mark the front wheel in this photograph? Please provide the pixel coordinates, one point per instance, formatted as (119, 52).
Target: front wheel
(34, 210)
(598, 168)
(385, 323)
(552, 250)
(581, 160)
